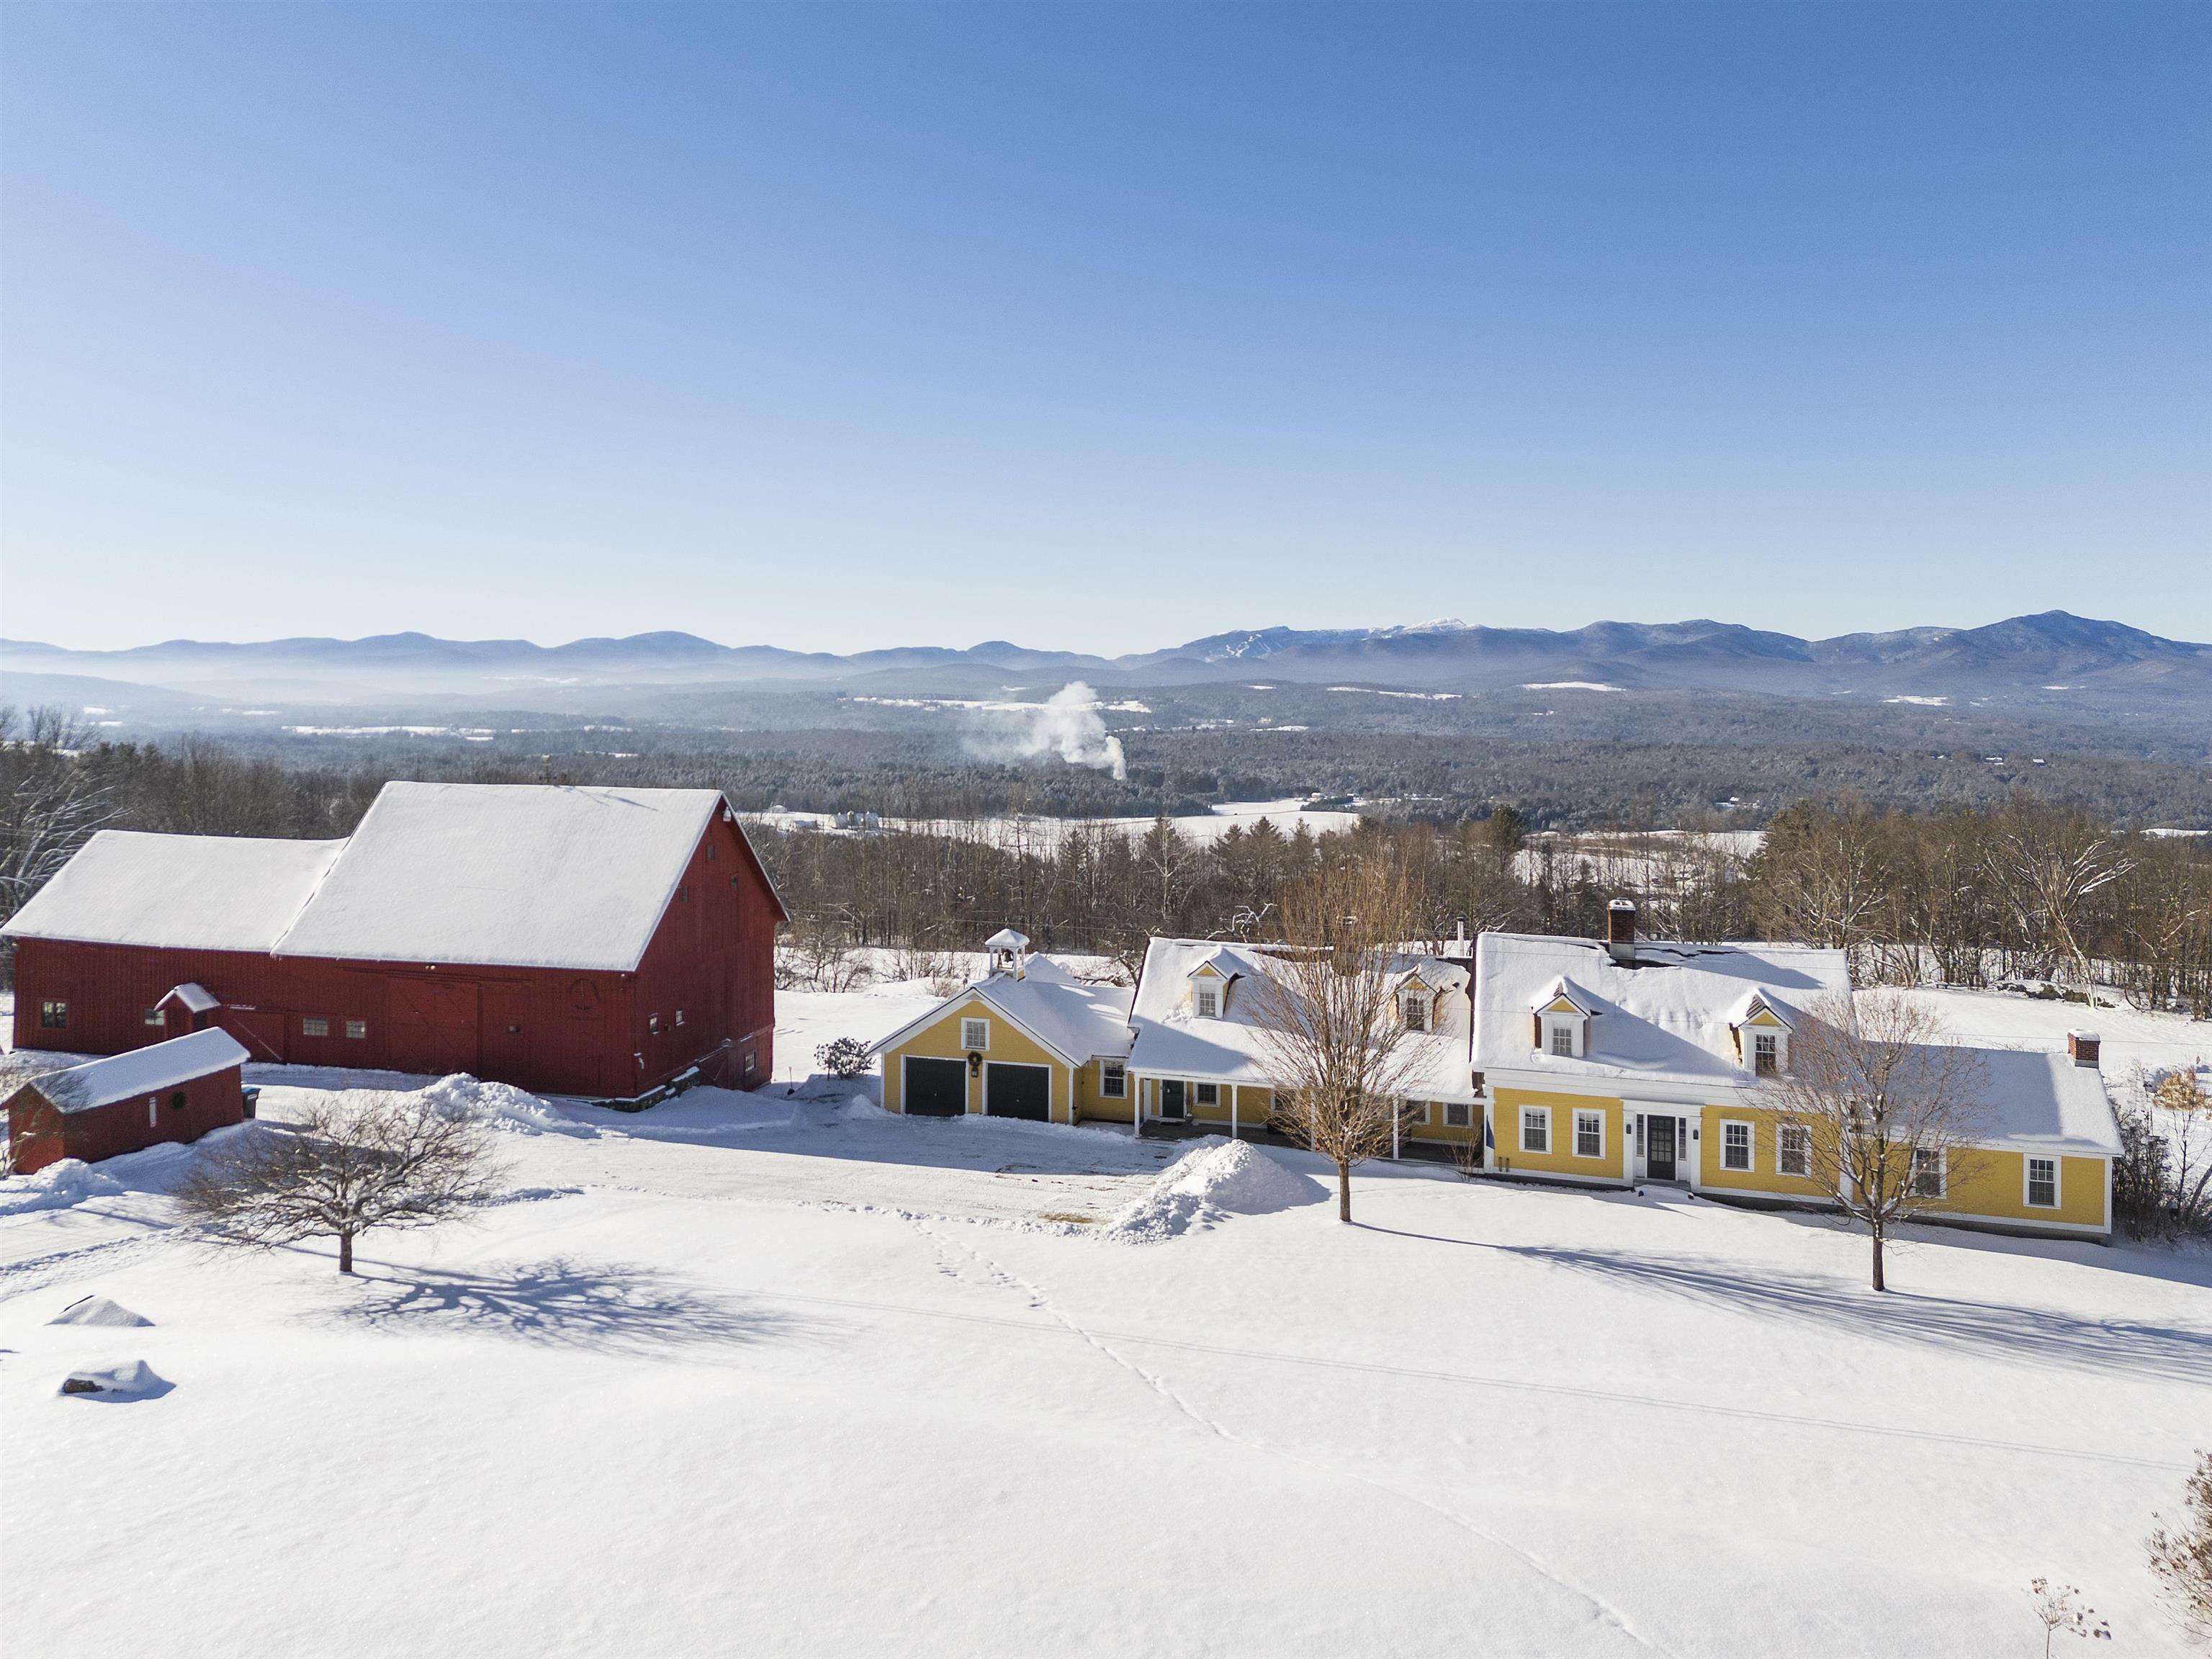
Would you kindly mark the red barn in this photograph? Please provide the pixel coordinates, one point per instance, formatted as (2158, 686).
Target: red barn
(173, 1091)
(594, 942)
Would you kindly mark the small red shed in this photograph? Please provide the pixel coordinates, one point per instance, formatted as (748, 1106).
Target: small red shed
(172, 1091)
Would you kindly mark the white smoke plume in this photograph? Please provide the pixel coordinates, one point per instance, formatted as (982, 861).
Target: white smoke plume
(1066, 724)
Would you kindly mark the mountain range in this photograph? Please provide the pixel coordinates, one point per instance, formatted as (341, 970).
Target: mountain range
(2053, 652)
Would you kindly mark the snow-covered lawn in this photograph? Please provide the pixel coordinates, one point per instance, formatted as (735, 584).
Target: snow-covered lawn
(778, 1374)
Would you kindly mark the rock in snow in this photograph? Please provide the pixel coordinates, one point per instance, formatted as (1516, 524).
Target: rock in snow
(133, 1379)
(1216, 1178)
(97, 1310)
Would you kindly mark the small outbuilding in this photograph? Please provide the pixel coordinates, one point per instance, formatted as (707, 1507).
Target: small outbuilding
(173, 1091)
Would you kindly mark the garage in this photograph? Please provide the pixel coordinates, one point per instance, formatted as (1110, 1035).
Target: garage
(935, 1088)
(1018, 1090)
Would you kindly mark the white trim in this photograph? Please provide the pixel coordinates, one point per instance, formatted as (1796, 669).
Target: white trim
(1806, 1134)
(968, 1041)
(2027, 1163)
(1206, 1001)
(1543, 1151)
(1597, 1114)
(983, 1096)
(906, 1083)
(1750, 1166)
(1942, 1173)
(1104, 1093)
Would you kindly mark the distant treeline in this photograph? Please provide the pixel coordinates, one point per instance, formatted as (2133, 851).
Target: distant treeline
(2014, 886)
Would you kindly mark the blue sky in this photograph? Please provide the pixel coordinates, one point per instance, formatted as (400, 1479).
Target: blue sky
(1100, 327)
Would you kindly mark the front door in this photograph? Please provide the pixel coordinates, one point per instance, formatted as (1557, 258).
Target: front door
(1659, 1148)
(1171, 1096)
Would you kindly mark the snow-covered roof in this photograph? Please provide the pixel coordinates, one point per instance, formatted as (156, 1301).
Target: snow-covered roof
(2037, 1101)
(1077, 1020)
(521, 875)
(145, 1071)
(1230, 1048)
(194, 997)
(180, 892)
(1666, 1020)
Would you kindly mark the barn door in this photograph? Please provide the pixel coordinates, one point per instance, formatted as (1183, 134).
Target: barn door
(433, 1027)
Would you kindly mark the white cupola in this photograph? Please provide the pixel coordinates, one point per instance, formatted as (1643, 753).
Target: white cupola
(1009, 952)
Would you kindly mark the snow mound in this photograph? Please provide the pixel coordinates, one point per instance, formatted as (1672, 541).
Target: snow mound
(133, 1379)
(97, 1310)
(1216, 1179)
(505, 1105)
(66, 1180)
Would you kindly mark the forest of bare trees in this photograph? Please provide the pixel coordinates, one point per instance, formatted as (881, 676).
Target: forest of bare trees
(2023, 890)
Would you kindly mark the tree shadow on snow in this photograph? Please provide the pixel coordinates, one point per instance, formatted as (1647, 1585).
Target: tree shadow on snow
(602, 1307)
(2042, 1336)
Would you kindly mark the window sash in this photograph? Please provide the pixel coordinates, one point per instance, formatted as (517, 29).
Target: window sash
(975, 1034)
(1735, 1146)
(1589, 1135)
(314, 1025)
(1207, 1000)
(1209, 1094)
(1927, 1174)
(1536, 1129)
(1765, 1054)
(53, 1015)
(1793, 1151)
(1563, 1039)
(1458, 1114)
(1415, 1015)
(2043, 1183)
(1113, 1082)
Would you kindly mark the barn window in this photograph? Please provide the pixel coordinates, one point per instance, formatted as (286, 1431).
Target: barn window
(177, 1101)
(53, 1016)
(710, 854)
(356, 1028)
(733, 881)
(652, 1024)
(684, 894)
(314, 1026)
(153, 1113)
(155, 1016)
(679, 1016)
(513, 1028)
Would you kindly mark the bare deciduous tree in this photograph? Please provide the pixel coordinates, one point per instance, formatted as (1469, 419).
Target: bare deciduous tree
(1889, 1112)
(49, 804)
(352, 1163)
(1335, 1049)
(2048, 869)
(2181, 1555)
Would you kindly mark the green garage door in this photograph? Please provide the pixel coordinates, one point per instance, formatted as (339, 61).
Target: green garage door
(935, 1088)
(1017, 1091)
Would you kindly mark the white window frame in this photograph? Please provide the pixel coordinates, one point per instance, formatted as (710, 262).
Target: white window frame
(1784, 1134)
(973, 1026)
(1205, 1001)
(1458, 1114)
(1543, 1113)
(157, 1015)
(1585, 1114)
(1112, 1079)
(1750, 1164)
(1419, 1113)
(1413, 1011)
(2027, 1182)
(153, 1111)
(1562, 1025)
(1205, 1094)
(1771, 1037)
(1943, 1173)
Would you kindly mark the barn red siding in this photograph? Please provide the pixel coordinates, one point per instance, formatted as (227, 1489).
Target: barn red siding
(551, 1031)
(41, 1134)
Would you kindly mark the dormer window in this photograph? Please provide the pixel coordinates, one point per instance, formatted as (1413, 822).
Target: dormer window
(1562, 1038)
(1206, 1001)
(1765, 1054)
(1414, 1010)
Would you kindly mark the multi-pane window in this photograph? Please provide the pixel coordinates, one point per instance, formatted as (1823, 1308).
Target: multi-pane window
(1589, 1135)
(1928, 1173)
(1207, 1000)
(1735, 1145)
(1209, 1094)
(2043, 1183)
(1536, 1129)
(1415, 1011)
(1457, 1114)
(652, 1024)
(314, 1025)
(1416, 1113)
(1563, 1039)
(1765, 1054)
(156, 1017)
(1793, 1150)
(53, 1016)
(679, 1016)
(974, 1033)
(1112, 1080)
(356, 1028)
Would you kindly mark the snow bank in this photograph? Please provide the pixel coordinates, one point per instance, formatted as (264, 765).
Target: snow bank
(132, 1379)
(505, 1105)
(98, 1311)
(1216, 1179)
(68, 1181)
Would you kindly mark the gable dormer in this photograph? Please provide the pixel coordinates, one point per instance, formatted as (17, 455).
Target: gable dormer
(1417, 1002)
(1560, 1021)
(1209, 988)
(1761, 1034)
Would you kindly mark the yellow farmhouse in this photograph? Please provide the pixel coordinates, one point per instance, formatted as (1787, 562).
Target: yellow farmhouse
(1621, 1062)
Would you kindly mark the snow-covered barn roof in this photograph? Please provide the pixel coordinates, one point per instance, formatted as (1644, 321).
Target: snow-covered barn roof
(145, 1071)
(177, 892)
(1666, 1020)
(520, 875)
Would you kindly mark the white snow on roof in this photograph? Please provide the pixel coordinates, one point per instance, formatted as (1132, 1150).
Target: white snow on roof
(520, 875)
(1173, 1042)
(1665, 1020)
(141, 1072)
(1077, 1020)
(194, 996)
(2039, 1102)
(182, 892)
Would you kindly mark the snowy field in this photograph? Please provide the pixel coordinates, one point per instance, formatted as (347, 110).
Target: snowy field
(780, 1374)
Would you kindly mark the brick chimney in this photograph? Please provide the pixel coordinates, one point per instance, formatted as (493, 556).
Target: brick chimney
(2083, 1045)
(1620, 930)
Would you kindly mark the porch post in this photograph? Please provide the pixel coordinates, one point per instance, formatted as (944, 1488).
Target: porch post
(1397, 1121)
(1232, 1110)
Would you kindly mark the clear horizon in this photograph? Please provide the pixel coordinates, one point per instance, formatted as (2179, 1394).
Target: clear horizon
(1099, 328)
